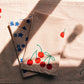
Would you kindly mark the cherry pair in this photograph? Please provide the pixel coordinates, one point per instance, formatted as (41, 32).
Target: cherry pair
(30, 62)
(37, 60)
(49, 66)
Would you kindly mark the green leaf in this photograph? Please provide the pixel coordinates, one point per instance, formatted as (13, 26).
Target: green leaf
(46, 53)
(53, 59)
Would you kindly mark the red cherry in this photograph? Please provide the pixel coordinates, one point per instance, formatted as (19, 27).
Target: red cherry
(62, 34)
(42, 64)
(37, 60)
(29, 62)
(41, 54)
(0, 10)
(49, 66)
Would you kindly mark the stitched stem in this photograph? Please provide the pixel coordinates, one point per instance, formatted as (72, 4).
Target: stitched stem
(39, 47)
(45, 59)
(64, 30)
(33, 54)
(49, 59)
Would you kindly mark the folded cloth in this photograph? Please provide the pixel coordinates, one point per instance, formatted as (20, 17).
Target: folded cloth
(19, 31)
(42, 51)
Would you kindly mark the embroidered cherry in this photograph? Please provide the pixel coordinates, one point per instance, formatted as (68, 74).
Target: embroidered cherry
(0, 10)
(49, 66)
(40, 54)
(37, 60)
(42, 64)
(30, 62)
(62, 34)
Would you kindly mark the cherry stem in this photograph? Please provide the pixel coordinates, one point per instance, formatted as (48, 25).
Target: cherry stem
(46, 53)
(33, 54)
(49, 59)
(36, 53)
(45, 59)
(39, 47)
(64, 30)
